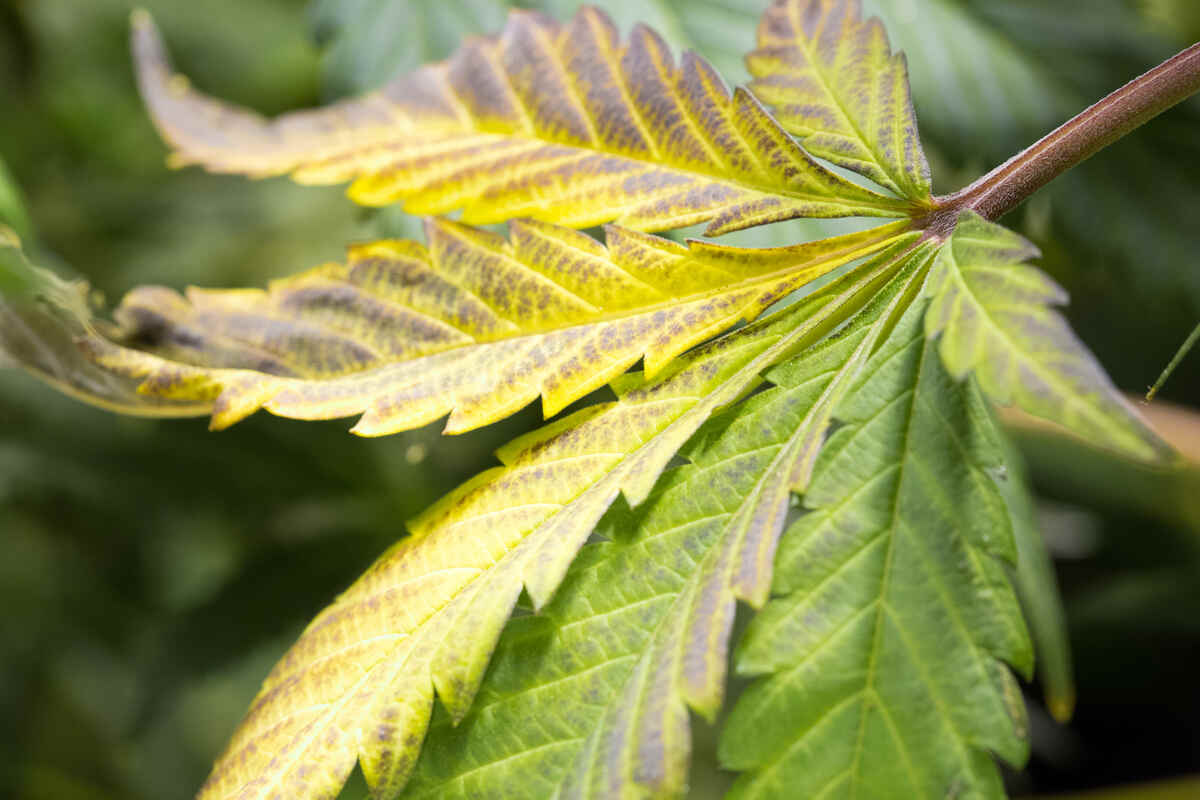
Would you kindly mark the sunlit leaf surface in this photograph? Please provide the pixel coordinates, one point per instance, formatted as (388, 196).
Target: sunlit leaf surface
(361, 680)
(621, 667)
(561, 122)
(470, 324)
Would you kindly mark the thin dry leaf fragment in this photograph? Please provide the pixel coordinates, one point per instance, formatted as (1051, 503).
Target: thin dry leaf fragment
(41, 318)
(470, 324)
(560, 122)
(833, 80)
(996, 319)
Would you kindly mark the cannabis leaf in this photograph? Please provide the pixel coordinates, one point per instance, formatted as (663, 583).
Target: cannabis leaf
(881, 650)
(996, 319)
(470, 324)
(561, 123)
(832, 80)
(360, 682)
(611, 672)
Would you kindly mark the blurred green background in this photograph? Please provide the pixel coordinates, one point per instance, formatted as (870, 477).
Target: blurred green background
(152, 572)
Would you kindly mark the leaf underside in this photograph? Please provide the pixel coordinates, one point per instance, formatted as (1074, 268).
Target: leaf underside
(831, 78)
(470, 324)
(562, 123)
(881, 653)
(996, 319)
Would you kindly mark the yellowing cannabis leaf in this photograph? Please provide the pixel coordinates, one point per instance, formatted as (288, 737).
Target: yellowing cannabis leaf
(471, 324)
(360, 682)
(562, 123)
(833, 80)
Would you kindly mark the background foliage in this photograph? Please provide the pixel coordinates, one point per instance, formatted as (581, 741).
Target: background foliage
(154, 571)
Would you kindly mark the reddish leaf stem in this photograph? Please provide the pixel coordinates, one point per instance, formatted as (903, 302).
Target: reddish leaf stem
(1134, 104)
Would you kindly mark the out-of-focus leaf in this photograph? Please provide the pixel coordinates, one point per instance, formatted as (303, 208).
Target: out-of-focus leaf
(882, 652)
(1037, 589)
(12, 206)
(1097, 478)
(369, 42)
(1179, 18)
(832, 79)
(561, 122)
(360, 682)
(471, 324)
(1180, 789)
(995, 318)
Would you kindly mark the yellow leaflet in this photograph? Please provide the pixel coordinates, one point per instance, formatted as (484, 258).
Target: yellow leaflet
(833, 80)
(470, 325)
(560, 122)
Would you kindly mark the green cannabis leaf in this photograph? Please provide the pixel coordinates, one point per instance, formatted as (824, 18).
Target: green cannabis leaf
(887, 615)
(894, 609)
(995, 316)
(426, 616)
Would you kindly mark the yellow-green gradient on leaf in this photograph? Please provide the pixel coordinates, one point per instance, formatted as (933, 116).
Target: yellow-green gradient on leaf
(360, 682)
(564, 123)
(470, 324)
(833, 80)
(995, 317)
(639, 740)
